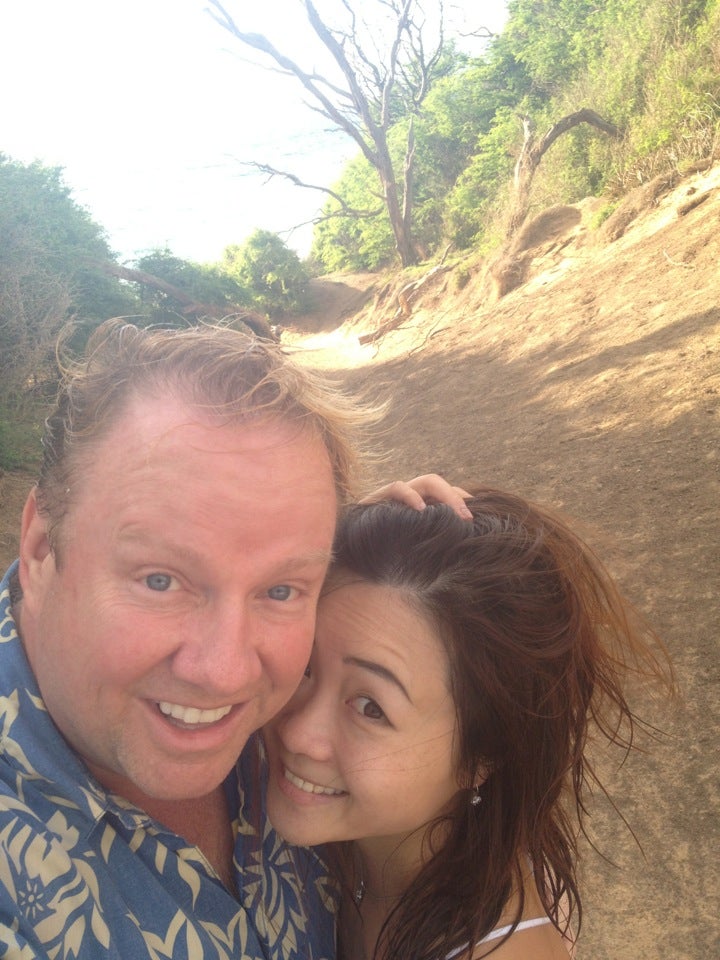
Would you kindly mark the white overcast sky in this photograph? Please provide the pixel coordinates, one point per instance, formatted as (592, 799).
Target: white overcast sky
(148, 105)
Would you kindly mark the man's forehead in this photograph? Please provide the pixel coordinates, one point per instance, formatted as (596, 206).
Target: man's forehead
(174, 420)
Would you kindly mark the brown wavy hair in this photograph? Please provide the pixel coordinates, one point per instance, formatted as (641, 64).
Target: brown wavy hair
(539, 643)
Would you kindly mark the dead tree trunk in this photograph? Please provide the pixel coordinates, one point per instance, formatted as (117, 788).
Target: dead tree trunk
(378, 80)
(533, 150)
(409, 185)
(399, 222)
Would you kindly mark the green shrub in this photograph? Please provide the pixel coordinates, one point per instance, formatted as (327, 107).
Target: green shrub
(269, 271)
(601, 215)
(461, 276)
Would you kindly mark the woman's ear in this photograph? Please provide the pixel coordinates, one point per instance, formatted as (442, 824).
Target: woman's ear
(482, 772)
(36, 556)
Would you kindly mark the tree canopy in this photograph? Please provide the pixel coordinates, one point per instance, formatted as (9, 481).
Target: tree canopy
(50, 246)
(269, 271)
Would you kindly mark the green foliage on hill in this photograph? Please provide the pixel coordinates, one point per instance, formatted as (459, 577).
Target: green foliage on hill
(354, 243)
(650, 67)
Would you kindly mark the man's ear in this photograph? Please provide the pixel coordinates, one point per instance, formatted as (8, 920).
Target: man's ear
(35, 551)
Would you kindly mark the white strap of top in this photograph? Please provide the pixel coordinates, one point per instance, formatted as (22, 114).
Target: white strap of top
(501, 932)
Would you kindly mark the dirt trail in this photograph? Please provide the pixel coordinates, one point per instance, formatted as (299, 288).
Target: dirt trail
(595, 387)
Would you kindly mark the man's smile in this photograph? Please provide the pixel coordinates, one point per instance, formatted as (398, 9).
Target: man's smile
(192, 716)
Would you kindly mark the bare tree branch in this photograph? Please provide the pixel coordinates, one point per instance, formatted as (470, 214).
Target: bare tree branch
(359, 99)
(482, 33)
(259, 42)
(274, 172)
(376, 88)
(402, 26)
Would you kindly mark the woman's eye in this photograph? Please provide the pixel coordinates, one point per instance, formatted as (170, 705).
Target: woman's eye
(368, 708)
(159, 581)
(281, 592)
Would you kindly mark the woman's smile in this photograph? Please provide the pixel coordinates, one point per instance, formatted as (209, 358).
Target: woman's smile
(307, 786)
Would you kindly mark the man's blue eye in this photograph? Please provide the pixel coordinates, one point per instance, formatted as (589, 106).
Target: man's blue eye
(280, 592)
(159, 581)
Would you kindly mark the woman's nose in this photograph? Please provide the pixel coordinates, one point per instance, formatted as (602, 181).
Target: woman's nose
(307, 725)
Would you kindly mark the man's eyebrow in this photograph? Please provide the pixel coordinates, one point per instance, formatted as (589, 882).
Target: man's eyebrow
(131, 537)
(142, 536)
(379, 671)
(308, 559)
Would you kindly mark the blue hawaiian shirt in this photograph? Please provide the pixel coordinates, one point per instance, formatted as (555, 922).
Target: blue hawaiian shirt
(86, 875)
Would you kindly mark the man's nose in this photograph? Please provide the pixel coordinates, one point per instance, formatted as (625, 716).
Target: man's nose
(220, 652)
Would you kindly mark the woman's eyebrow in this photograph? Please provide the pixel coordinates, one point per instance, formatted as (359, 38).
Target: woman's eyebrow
(379, 671)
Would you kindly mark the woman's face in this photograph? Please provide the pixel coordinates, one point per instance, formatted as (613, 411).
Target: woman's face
(365, 748)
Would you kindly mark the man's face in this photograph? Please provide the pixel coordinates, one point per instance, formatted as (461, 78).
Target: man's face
(179, 615)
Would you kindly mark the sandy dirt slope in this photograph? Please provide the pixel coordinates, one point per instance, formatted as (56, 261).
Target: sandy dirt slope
(595, 386)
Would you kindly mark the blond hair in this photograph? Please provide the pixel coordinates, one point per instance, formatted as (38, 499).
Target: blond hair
(222, 372)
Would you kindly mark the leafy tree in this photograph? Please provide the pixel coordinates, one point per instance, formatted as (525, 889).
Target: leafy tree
(48, 274)
(354, 243)
(173, 290)
(553, 40)
(473, 203)
(461, 112)
(269, 271)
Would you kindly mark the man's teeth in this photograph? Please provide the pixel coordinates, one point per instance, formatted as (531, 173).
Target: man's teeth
(192, 715)
(311, 787)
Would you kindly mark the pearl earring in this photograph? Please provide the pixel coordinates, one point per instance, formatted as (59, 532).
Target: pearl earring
(476, 799)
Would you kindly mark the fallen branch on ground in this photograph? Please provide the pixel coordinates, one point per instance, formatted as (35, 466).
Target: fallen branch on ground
(405, 297)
